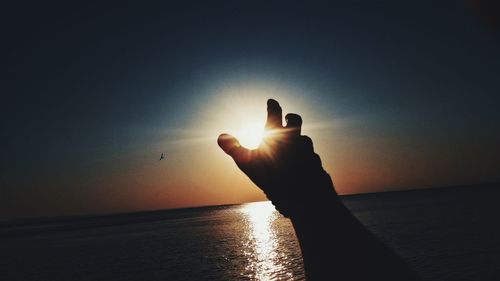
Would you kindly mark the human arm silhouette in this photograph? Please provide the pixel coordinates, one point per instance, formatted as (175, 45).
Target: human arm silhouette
(334, 244)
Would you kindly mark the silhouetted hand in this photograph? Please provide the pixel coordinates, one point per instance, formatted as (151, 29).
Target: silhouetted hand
(284, 166)
(334, 244)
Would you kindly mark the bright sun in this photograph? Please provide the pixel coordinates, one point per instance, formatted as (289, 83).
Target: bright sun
(250, 135)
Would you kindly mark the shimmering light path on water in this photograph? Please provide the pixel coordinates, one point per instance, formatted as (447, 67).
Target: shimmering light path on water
(446, 234)
(261, 247)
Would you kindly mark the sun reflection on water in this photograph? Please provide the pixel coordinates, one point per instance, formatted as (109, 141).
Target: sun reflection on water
(261, 247)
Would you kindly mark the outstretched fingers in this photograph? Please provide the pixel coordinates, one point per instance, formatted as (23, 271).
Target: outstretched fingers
(293, 124)
(274, 115)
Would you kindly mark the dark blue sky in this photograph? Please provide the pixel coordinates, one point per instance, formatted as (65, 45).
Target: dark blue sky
(91, 91)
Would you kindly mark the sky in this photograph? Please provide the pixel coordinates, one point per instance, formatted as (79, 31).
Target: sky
(394, 95)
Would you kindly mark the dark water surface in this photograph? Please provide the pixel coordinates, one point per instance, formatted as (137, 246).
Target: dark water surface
(445, 234)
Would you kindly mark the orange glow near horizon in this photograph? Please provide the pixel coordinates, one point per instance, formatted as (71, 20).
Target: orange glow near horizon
(240, 112)
(197, 172)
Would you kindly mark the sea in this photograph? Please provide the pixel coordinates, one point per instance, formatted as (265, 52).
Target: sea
(442, 233)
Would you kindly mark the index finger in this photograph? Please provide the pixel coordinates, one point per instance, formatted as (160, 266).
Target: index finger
(274, 115)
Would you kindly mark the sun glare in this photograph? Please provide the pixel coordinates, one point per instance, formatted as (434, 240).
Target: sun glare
(250, 135)
(239, 109)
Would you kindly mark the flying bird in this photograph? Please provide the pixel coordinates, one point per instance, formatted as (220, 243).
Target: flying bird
(162, 157)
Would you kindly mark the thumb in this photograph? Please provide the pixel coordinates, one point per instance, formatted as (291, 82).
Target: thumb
(233, 148)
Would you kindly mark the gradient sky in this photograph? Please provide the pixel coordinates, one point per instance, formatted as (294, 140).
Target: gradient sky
(394, 96)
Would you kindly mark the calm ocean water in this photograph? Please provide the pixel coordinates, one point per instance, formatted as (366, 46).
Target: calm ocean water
(445, 234)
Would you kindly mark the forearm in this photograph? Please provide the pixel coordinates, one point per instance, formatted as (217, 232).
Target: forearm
(336, 245)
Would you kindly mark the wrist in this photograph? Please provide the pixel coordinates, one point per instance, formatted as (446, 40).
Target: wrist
(328, 207)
